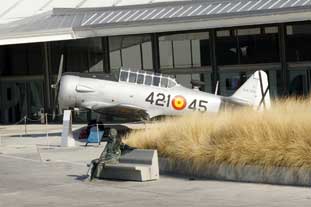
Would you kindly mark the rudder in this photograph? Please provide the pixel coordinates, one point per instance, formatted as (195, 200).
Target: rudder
(255, 91)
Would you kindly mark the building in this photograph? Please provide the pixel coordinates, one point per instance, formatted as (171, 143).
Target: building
(210, 41)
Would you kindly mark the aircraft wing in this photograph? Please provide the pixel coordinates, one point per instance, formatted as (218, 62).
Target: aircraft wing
(122, 110)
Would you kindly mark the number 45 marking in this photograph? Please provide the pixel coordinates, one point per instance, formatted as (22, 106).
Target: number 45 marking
(202, 106)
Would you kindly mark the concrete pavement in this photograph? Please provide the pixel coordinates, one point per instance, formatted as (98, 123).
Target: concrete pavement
(34, 172)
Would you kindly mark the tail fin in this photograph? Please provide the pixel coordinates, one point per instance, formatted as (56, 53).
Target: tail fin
(255, 91)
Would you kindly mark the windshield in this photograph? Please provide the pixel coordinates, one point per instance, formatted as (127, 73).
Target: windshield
(146, 78)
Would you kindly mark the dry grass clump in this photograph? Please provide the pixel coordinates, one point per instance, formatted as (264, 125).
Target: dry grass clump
(279, 137)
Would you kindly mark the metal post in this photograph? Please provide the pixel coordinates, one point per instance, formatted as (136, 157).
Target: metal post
(46, 128)
(25, 124)
(213, 58)
(155, 52)
(120, 51)
(282, 49)
(173, 53)
(106, 54)
(141, 56)
(97, 134)
(46, 66)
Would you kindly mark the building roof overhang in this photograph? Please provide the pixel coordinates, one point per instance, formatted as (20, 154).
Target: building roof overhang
(66, 24)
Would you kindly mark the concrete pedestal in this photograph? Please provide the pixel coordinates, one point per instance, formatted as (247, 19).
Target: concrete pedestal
(137, 165)
(67, 138)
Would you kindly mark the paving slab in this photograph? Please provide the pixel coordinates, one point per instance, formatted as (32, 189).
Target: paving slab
(33, 173)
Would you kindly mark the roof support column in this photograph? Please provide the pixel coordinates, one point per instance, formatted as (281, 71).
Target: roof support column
(106, 55)
(282, 52)
(47, 69)
(155, 52)
(215, 75)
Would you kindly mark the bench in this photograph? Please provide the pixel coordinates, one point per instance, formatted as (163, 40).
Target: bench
(136, 165)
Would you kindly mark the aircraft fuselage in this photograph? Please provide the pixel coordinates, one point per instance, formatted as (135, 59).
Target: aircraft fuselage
(83, 92)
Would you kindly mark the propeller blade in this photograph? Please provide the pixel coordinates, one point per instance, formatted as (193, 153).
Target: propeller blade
(216, 88)
(60, 72)
(56, 86)
(60, 69)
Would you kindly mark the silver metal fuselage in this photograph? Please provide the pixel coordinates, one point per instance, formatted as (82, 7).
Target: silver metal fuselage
(83, 92)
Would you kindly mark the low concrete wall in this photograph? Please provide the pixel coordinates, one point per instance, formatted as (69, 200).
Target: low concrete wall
(257, 174)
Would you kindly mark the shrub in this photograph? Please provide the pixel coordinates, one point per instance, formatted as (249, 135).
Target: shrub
(280, 136)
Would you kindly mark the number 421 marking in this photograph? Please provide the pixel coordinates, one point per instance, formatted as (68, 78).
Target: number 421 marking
(163, 100)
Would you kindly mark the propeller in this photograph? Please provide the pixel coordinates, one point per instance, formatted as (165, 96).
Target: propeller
(217, 87)
(55, 86)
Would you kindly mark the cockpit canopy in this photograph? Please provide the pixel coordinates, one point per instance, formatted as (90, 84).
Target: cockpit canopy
(146, 78)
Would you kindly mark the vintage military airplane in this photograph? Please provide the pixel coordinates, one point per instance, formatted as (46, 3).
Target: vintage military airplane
(142, 95)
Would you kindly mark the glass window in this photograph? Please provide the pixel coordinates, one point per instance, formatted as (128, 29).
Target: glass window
(123, 76)
(130, 52)
(156, 80)
(147, 55)
(57, 49)
(95, 55)
(271, 30)
(247, 46)
(9, 94)
(251, 31)
(148, 80)
(255, 47)
(194, 80)
(115, 60)
(205, 78)
(84, 55)
(184, 80)
(21, 96)
(184, 50)
(132, 77)
(166, 54)
(182, 53)
(223, 33)
(23, 59)
(298, 42)
(233, 83)
(164, 82)
(275, 82)
(140, 79)
(16, 64)
(35, 59)
(115, 52)
(196, 46)
(226, 48)
(299, 81)
(3, 60)
(230, 81)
